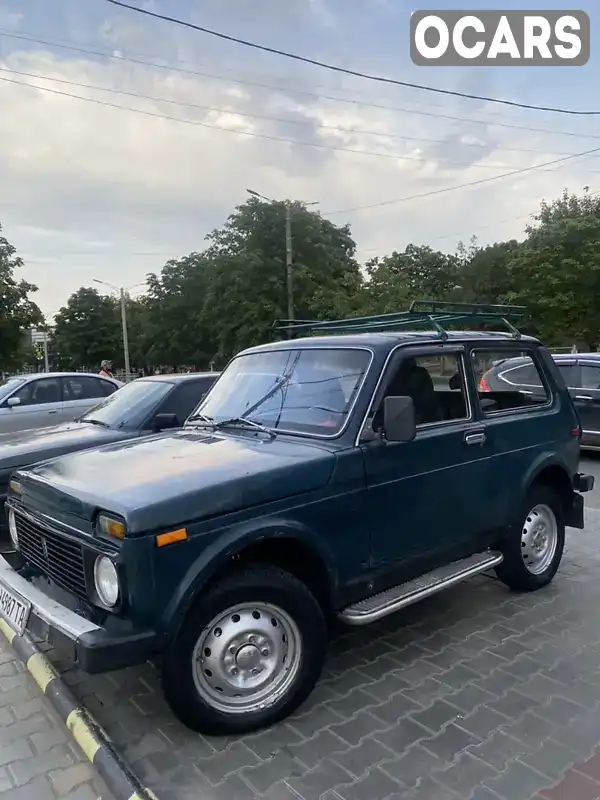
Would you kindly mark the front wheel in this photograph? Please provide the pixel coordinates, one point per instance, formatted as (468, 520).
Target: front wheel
(248, 654)
(533, 547)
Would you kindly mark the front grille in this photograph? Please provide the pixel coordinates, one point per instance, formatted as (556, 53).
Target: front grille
(58, 558)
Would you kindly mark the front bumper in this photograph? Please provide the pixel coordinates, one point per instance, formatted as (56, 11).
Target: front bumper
(96, 648)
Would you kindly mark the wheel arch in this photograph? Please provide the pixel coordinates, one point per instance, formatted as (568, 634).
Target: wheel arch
(284, 544)
(551, 472)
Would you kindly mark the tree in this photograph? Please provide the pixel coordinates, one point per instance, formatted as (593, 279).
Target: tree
(18, 312)
(245, 274)
(418, 273)
(556, 271)
(88, 330)
(485, 275)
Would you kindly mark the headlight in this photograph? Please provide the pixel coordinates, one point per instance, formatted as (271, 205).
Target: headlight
(111, 527)
(12, 528)
(106, 580)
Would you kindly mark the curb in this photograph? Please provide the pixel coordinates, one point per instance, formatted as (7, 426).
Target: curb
(90, 737)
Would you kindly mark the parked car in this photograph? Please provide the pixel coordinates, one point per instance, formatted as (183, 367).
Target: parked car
(326, 476)
(581, 374)
(140, 408)
(47, 398)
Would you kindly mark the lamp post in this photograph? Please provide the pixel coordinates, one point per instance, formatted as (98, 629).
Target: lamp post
(121, 292)
(288, 248)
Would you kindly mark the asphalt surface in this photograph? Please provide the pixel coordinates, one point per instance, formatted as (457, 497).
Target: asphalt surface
(475, 694)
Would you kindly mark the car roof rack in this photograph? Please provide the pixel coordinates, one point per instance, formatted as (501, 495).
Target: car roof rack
(435, 314)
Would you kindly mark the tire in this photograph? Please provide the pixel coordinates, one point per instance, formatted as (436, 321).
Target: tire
(526, 568)
(280, 621)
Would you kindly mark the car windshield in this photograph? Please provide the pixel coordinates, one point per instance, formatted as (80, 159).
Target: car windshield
(129, 406)
(300, 391)
(9, 385)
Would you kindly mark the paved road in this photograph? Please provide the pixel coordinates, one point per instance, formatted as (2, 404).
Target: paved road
(475, 694)
(38, 760)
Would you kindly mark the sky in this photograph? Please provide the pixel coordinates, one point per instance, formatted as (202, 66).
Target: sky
(89, 191)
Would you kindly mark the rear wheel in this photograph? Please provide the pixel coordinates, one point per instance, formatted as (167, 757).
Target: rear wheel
(533, 547)
(248, 654)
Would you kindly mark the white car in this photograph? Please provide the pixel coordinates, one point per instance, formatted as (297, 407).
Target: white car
(48, 398)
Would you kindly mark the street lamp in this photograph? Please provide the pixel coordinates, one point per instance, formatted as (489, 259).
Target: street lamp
(121, 292)
(288, 247)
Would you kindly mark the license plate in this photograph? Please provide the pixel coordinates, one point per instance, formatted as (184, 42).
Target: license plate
(14, 609)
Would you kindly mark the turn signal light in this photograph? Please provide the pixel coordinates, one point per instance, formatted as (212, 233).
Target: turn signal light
(163, 539)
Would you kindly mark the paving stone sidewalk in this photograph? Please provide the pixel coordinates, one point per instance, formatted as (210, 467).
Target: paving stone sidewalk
(476, 694)
(38, 759)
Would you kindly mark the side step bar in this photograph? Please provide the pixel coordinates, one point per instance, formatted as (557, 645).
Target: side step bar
(391, 600)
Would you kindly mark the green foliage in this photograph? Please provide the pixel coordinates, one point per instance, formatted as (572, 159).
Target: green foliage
(88, 330)
(18, 312)
(556, 271)
(208, 305)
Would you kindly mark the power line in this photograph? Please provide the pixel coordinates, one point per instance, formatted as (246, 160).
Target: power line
(300, 92)
(447, 189)
(282, 120)
(519, 171)
(252, 134)
(476, 228)
(354, 73)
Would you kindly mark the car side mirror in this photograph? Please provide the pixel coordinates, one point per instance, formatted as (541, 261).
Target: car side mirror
(13, 401)
(399, 423)
(163, 422)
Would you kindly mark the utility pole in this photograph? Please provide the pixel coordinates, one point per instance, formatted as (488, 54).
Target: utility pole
(289, 260)
(46, 365)
(122, 292)
(125, 338)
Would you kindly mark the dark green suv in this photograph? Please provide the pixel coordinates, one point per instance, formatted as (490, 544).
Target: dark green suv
(345, 474)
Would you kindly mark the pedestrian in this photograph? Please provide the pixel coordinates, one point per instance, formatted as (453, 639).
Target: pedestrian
(106, 369)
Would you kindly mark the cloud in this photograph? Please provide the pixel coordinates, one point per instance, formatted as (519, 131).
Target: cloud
(88, 190)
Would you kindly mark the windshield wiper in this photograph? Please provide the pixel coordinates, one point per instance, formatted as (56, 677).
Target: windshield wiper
(95, 422)
(225, 423)
(200, 418)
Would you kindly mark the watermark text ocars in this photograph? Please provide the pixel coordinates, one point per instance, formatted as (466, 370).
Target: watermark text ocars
(500, 38)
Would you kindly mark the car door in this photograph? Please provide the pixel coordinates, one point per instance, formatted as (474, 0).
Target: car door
(39, 404)
(82, 392)
(426, 496)
(587, 400)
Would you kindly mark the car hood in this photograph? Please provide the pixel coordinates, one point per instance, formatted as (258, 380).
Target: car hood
(177, 477)
(22, 448)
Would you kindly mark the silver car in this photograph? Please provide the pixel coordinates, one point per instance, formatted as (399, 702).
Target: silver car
(48, 398)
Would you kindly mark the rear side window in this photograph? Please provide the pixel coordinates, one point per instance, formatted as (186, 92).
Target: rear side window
(590, 377)
(570, 374)
(85, 388)
(508, 381)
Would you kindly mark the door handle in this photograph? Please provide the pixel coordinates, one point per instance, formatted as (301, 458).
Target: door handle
(585, 397)
(475, 438)
(53, 412)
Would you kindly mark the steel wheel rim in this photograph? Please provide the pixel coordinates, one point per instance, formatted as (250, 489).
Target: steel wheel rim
(539, 539)
(246, 658)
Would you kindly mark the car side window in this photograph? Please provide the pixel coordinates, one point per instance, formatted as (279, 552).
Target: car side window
(436, 385)
(83, 388)
(590, 377)
(508, 380)
(570, 374)
(184, 398)
(40, 392)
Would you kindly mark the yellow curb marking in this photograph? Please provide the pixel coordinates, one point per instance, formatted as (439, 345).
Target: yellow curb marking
(83, 734)
(7, 631)
(41, 669)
